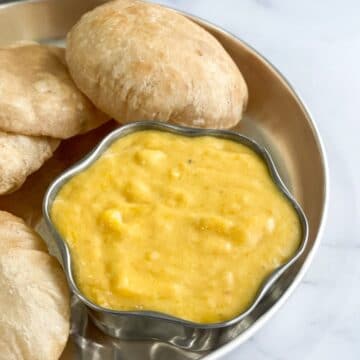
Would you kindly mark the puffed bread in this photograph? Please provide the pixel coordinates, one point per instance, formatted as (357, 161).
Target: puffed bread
(38, 96)
(20, 156)
(141, 61)
(34, 306)
(15, 234)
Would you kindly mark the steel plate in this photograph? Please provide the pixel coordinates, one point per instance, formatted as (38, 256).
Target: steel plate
(275, 118)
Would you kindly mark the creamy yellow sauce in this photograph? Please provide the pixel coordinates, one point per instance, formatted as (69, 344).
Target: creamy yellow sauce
(190, 227)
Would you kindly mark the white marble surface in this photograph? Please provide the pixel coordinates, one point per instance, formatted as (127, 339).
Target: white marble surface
(316, 45)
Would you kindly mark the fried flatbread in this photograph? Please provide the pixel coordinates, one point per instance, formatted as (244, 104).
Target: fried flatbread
(34, 306)
(38, 96)
(20, 156)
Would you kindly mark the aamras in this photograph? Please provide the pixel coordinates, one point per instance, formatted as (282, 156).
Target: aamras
(153, 224)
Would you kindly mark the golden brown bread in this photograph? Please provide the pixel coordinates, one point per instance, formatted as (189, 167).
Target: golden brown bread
(34, 298)
(38, 96)
(15, 234)
(140, 61)
(21, 155)
(34, 306)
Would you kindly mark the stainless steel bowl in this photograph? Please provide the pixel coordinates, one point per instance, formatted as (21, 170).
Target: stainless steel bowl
(150, 324)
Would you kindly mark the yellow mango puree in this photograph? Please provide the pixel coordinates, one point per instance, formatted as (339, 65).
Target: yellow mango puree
(189, 227)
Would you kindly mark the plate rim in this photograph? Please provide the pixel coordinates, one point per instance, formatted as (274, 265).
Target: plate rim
(264, 318)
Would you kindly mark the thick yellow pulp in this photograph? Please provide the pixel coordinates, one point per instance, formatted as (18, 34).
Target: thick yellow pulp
(185, 226)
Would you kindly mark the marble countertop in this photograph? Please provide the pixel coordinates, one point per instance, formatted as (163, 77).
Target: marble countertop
(316, 45)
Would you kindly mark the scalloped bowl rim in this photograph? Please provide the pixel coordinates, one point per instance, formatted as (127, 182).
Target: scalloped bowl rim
(96, 153)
